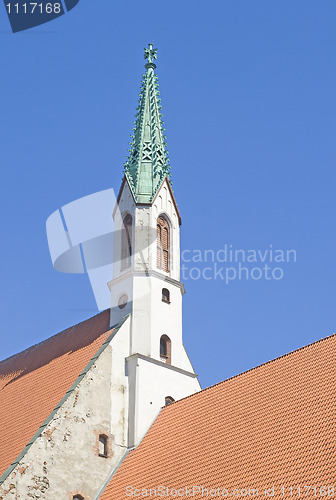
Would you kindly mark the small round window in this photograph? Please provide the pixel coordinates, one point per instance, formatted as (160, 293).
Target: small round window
(123, 301)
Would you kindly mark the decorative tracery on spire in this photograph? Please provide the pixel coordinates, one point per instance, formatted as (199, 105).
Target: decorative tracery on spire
(148, 164)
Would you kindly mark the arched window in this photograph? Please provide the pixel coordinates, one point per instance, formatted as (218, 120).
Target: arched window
(102, 445)
(169, 400)
(163, 242)
(78, 497)
(165, 349)
(126, 242)
(165, 295)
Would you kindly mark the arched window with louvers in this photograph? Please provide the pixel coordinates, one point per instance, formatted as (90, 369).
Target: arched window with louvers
(163, 244)
(126, 242)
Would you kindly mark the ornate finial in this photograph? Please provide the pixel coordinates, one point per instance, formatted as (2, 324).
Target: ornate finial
(150, 54)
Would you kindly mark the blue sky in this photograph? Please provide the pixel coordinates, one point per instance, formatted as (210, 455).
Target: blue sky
(248, 94)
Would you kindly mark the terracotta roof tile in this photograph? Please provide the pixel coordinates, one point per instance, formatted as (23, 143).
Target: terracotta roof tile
(273, 425)
(34, 381)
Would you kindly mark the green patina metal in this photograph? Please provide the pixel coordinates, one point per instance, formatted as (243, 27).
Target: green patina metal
(148, 164)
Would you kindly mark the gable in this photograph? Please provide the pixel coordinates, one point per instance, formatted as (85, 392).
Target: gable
(33, 382)
(125, 190)
(273, 425)
(166, 185)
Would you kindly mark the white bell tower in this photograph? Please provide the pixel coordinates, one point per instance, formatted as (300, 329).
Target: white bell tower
(146, 277)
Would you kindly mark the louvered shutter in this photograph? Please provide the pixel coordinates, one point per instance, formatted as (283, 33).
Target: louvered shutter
(163, 244)
(158, 246)
(165, 249)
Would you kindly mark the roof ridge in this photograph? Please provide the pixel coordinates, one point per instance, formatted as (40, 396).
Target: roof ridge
(253, 368)
(52, 336)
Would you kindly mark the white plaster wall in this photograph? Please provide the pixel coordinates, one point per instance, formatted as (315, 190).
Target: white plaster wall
(119, 287)
(142, 315)
(120, 349)
(126, 205)
(151, 317)
(167, 320)
(151, 383)
(145, 238)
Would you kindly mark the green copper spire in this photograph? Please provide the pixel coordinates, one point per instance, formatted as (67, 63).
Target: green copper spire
(147, 164)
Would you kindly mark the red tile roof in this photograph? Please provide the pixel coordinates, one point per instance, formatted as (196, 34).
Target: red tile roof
(273, 425)
(34, 381)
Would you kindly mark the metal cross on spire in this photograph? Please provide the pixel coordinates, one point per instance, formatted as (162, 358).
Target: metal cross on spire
(150, 54)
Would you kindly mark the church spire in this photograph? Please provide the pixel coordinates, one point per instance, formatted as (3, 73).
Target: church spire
(147, 164)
